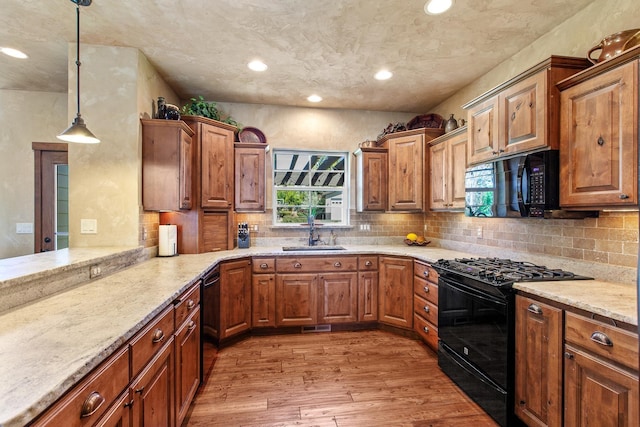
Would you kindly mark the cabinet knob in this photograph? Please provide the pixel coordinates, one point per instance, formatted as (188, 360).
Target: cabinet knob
(91, 404)
(535, 309)
(264, 266)
(190, 304)
(600, 141)
(297, 265)
(337, 264)
(158, 336)
(601, 338)
(426, 289)
(425, 273)
(128, 404)
(192, 325)
(623, 196)
(426, 329)
(568, 355)
(426, 309)
(368, 263)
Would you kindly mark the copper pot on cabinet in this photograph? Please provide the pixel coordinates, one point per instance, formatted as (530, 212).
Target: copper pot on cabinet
(615, 44)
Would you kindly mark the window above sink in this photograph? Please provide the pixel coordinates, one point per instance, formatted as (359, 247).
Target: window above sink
(310, 183)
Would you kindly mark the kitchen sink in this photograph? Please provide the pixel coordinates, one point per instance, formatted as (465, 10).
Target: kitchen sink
(312, 248)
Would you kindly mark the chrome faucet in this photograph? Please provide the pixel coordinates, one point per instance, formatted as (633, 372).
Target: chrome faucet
(311, 220)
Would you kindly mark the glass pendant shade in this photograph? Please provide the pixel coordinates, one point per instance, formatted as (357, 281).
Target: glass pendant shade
(78, 133)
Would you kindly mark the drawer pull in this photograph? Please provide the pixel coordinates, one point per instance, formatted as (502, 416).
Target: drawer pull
(264, 266)
(426, 308)
(535, 309)
(426, 289)
(297, 265)
(128, 404)
(140, 390)
(368, 263)
(190, 304)
(91, 404)
(158, 336)
(426, 273)
(601, 338)
(192, 326)
(568, 355)
(337, 264)
(426, 329)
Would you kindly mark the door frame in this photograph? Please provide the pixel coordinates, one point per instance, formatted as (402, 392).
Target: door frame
(38, 149)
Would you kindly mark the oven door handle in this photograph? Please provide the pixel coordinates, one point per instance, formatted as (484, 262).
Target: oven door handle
(459, 287)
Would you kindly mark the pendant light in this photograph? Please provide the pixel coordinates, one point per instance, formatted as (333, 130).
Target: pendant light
(78, 131)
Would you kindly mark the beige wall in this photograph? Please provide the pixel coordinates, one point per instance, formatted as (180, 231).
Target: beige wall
(574, 37)
(25, 117)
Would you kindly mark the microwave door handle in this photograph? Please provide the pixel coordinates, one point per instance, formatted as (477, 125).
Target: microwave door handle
(520, 188)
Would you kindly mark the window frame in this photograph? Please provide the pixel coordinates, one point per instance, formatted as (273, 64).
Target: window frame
(345, 188)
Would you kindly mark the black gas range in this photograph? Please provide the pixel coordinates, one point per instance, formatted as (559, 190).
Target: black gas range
(476, 326)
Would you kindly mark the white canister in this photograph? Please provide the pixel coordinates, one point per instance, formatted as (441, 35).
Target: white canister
(168, 240)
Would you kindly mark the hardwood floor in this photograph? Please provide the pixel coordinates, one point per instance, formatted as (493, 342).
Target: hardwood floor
(338, 379)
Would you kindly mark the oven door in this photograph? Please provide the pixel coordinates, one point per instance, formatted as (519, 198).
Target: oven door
(474, 325)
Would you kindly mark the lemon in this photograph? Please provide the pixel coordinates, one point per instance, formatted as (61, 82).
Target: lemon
(412, 236)
(420, 239)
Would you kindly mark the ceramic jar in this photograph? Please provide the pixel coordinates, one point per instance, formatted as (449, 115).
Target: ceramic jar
(450, 125)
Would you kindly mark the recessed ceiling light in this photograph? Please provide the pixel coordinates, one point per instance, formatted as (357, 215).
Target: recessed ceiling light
(383, 75)
(257, 65)
(436, 7)
(15, 53)
(314, 98)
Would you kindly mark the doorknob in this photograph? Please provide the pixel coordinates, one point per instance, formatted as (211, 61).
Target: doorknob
(47, 239)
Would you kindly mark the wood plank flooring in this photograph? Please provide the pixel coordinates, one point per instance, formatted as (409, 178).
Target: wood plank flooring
(337, 379)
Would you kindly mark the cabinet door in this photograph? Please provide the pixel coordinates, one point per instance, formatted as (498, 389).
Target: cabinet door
(368, 296)
(187, 379)
(153, 391)
(296, 299)
(216, 151)
(538, 394)
(374, 180)
(263, 299)
(599, 140)
(250, 179)
(186, 160)
(438, 171)
(597, 393)
(235, 297)
(523, 115)
(396, 292)
(337, 297)
(457, 161)
(119, 415)
(406, 178)
(482, 130)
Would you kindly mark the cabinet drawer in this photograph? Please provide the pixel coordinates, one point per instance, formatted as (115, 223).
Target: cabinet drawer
(92, 396)
(425, 289)
(186, 304)
(602, 339)
(263, 265)
(425, 271)
(367, 263)
(425, 309)
(148, 341)
(311, 264)
(427, 331)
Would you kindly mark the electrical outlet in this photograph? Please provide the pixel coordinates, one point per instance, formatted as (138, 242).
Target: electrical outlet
(254, 227)
(94, 271)
(425, 227)
(88, 226)
(479, 232)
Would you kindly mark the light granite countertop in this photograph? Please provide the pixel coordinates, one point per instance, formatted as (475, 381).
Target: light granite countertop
(46, 346)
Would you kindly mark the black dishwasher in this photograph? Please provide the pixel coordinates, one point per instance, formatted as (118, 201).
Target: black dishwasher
(210, 304)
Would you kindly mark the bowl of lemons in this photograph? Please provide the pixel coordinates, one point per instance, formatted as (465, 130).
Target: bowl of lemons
(413, 239)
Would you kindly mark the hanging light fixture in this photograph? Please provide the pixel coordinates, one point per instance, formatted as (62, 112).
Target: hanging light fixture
(78, 131)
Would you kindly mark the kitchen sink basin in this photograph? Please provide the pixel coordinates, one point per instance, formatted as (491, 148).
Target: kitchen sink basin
(312, 248)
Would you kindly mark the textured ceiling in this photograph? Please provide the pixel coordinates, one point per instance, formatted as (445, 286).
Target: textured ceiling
(328, 47)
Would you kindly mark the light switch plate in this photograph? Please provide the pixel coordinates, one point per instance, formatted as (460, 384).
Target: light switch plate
(24, 228)
(88, 226)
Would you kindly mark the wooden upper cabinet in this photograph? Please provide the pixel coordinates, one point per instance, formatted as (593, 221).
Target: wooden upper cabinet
(406, 171)
(448, 162)
(599, 138)
(167, 159)
(250, 177)
(371, 179)
(521, 114)
(214, 170)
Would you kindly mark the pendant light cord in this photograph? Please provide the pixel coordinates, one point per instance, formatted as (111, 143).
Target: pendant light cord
(78, 58)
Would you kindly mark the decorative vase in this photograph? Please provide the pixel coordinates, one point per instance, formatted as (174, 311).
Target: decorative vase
(161, 112)
(451, 124)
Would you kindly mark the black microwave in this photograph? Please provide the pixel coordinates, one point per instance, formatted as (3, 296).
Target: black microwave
(521, 186)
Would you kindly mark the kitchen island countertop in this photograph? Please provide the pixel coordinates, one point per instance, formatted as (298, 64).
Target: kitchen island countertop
(50, 344)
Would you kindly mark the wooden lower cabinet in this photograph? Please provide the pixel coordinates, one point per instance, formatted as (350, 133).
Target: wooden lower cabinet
(235, 298)
(395, 297)
(296, 302)
(368, 296)
(119, 415)
(337, 297)
(187, 378)
(538, 388)
(263, 300)
(153, 391)
(425, 303)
